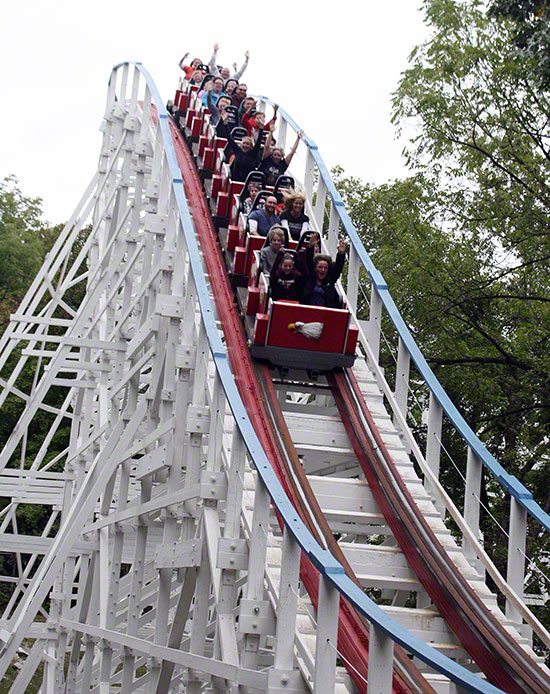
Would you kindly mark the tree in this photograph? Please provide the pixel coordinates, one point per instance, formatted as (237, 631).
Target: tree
(482, 146)
(22, 238)
(463, 243)
(532, 22)
(24, 241)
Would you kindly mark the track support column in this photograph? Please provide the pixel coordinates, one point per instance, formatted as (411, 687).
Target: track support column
(515, 568)
(474, 471)
(380, 662)
(283, 677)
(327, 637)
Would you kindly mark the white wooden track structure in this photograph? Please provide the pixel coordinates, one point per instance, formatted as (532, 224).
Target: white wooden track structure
(163, 566)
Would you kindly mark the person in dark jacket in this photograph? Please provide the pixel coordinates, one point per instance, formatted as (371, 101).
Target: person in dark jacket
(239, 95)
(286, 281)
(319, 290)
(274, 163)
(247, 156)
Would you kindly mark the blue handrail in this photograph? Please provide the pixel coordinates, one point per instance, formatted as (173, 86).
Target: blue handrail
(323, 560)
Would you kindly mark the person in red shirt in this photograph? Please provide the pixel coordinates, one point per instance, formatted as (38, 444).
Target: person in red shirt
(189, 69)
(256, 122)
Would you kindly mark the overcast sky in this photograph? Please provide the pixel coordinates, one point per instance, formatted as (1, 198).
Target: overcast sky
(332, 67)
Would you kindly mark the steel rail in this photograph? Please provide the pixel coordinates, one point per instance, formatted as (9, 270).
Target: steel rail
(484, 638)
(322, 559)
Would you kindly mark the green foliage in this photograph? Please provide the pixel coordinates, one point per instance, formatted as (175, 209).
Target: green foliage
(531, 20)
(482, 151)
(22, 238)
(463, 242)
(24, 242)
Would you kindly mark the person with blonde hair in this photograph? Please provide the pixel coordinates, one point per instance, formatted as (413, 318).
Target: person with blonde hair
(197, 77)
(293, 217)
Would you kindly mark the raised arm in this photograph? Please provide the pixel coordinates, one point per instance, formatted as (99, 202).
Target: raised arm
(292, 152)
(182, 61)
(258, 143)
(237, 75)
(336, 269)
(214, 111)
(267, 147)
(301, 265)
(234, 144)
(212, 65)
(311, 250)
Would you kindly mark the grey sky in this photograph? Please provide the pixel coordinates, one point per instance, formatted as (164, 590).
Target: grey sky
(332, 67)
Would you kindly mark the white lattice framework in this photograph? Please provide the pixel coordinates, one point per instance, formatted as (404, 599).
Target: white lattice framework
(161, 566)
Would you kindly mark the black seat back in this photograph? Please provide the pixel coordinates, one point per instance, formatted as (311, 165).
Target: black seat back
(238, 133)
(259, 201)
(283, 182)
(304, 239)
(232, 117)
(227, 84)
(206, 79)
(255, 177)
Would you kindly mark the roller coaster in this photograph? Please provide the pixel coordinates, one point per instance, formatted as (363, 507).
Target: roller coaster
(215, 522)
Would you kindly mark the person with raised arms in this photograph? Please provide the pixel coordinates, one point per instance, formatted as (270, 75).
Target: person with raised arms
(225, 72)
(246, 155)
(274, 163)
(320, 290)
(189, 69)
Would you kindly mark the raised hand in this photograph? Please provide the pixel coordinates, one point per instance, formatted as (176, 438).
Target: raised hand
(247, 55)
(314, 240)
(342, 245)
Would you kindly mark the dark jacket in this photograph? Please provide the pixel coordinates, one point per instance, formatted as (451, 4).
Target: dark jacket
(288, 287)
(329, 290)
(244, 162)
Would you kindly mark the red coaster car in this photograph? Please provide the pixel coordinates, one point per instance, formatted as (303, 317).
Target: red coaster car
(300, 336)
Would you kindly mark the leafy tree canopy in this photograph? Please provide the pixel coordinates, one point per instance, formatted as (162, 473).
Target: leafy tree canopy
(532, 23)
(463, 243)
(22, 238)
